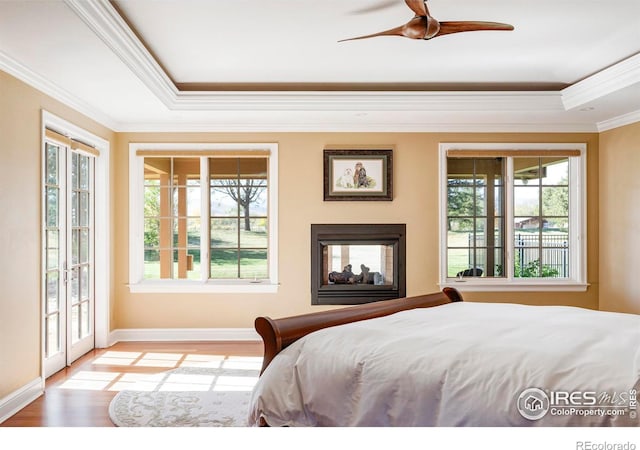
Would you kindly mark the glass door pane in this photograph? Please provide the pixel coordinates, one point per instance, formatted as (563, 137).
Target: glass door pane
(80, 270)
(53, 244)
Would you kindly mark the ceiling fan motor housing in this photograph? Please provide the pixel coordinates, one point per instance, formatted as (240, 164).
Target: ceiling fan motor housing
(433, 27)
(421, 27)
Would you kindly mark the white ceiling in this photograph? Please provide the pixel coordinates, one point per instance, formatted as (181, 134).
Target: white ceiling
(277, 65)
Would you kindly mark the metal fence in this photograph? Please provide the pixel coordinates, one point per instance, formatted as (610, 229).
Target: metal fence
(534, 257)
(551, 253)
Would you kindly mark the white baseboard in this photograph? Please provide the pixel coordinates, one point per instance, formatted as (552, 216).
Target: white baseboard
(183, 334)
(17, 400)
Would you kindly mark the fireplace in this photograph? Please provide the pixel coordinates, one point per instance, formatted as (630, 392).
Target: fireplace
(357, 263)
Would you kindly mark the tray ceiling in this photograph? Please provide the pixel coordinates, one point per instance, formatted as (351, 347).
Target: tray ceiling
(277, 65)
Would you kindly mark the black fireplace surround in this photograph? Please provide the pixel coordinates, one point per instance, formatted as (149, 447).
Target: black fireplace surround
(357, 263)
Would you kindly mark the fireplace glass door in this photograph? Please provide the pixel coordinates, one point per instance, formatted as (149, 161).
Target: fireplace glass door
(369, 264)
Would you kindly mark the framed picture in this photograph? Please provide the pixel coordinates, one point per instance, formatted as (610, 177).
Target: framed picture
(358, 174)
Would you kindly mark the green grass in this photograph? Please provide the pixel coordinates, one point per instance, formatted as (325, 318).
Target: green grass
(457, 258)
(253, 256)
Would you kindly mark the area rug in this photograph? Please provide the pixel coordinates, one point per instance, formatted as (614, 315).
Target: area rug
(186, 397)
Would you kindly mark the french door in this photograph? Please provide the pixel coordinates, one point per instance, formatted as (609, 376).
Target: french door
(68, 259)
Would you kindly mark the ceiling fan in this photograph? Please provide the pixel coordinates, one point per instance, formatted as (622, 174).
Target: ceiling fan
(424, 26)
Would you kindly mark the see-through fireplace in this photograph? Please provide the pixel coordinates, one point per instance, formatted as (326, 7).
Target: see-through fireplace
(357, 263)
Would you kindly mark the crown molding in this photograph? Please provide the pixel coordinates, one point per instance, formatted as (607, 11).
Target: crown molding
(612, 79)
(508, 101)
(620, 121)
(26, 75)
(358, 127)
(105, 21)
(369, 101)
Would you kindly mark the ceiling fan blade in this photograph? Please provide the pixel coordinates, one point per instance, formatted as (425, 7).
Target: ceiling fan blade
(419, 7)
(459, 27)
(416, 28)
(392, 32)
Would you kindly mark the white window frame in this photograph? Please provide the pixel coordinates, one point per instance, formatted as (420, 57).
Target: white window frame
(137, 283)
(577, 280)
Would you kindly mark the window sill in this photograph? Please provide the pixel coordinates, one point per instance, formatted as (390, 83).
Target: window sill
(209, 287)
(513, 286)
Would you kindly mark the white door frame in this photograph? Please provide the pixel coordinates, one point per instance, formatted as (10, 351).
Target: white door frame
(102, 260)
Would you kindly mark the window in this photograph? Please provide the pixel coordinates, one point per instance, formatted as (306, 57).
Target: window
(203, 217)
(513, 216)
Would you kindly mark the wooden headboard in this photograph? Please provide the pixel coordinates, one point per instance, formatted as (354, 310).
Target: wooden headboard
(278, 334)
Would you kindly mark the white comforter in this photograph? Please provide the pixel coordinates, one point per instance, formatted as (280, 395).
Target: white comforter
(461, 364)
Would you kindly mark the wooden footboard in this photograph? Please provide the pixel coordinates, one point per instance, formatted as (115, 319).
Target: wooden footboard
(277, 334)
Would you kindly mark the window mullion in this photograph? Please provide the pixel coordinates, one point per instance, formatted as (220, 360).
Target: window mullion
(239, 218)
(509, 262)
(540, 220)
(474, 232)
(205, 221)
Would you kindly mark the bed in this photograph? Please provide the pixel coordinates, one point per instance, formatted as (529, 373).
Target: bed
(436, 360)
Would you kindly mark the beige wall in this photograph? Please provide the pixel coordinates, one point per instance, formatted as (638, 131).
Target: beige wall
(301, 204)
(620, 219)
(20, 200)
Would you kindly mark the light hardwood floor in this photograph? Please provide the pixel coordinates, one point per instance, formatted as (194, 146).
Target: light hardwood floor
(79, 395)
